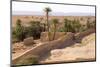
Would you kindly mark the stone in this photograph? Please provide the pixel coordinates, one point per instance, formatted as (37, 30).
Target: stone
(29, 41)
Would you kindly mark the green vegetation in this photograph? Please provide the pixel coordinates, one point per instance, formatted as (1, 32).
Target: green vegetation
(90, 24)
(35, 28)
(18, 32)
(55, 22)
(62, 29)
(72, 26)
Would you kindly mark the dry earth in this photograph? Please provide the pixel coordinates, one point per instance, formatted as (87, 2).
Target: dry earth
(26, 19)
(77, 52)
(19, 48)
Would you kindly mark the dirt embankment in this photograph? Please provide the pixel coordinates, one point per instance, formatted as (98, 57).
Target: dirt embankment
(84, 51)
(65, 41)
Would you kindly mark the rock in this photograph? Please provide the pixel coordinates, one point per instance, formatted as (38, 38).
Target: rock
(56, 52)
(29, 41)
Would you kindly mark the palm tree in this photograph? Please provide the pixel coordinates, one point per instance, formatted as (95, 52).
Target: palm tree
(47, 10)
(55, 22)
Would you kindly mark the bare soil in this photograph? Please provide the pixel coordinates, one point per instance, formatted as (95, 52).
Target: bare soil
(78, 52)
(84, 51)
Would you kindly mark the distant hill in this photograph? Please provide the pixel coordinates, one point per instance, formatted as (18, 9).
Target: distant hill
(52, 13)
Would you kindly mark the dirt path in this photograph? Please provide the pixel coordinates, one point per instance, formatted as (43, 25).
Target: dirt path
(19, 48)
(79, 51)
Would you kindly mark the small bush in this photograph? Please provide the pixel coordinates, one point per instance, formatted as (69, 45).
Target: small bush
(61, 30)
(72, 26)
(18, 32)
(28, 61)
(34, 29)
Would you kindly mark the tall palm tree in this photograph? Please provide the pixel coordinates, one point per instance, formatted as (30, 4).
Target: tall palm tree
(47, 10)
(55, 22)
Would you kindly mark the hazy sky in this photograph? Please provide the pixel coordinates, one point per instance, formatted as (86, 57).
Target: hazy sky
(30, 8)
(26, 6)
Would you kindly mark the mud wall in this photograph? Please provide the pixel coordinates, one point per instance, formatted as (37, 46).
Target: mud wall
(44, 36)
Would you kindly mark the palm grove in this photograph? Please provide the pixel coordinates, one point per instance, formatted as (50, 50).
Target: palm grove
(35, 28)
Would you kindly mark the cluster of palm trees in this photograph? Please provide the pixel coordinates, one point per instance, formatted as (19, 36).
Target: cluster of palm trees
(54, 21)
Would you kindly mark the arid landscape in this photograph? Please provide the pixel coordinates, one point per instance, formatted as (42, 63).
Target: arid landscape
(84, 51)
(47, 39)
(25, 19)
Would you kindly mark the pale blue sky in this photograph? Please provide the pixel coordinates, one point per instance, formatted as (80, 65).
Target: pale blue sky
(27, 6)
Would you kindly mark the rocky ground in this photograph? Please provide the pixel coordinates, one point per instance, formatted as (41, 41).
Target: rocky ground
(77, 52)
(19, 48)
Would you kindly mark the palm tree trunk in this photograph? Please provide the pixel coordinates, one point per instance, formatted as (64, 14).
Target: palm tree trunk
(54, 32)
(48, 26)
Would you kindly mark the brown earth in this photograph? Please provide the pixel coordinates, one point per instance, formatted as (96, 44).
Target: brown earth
(19, 48)
(26, 19)
(84, 51)
(78, 52)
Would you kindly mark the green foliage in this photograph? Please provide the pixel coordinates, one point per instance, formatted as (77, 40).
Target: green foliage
(61, 29)
(83, 28)
(90, 24)
(18, 32)
(34, 29)
(72, 26)
(43, 26)
(94, 24)
(76, 25)
(66, 25)
(47, 9)
(55, 22)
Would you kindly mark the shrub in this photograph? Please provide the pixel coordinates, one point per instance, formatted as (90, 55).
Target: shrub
(83, 28)
(72, 26)
(18, 31)
(76, 25)
(34, 29)
(61, 30)
(91, 24)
